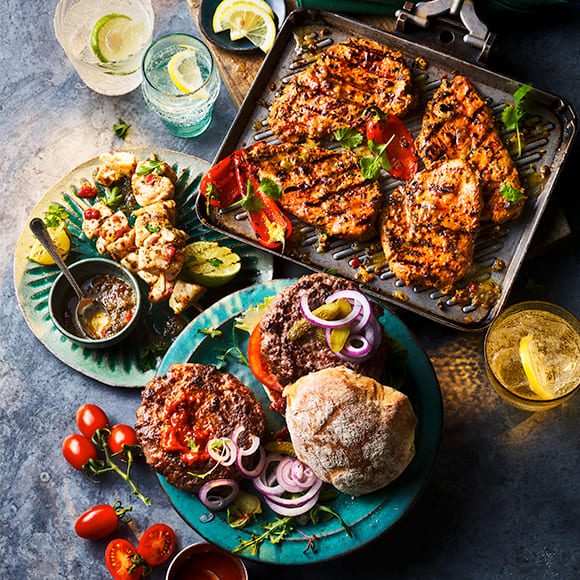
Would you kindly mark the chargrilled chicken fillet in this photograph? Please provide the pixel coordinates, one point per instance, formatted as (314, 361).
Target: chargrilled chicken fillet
(321, 187)
(428, 225)
(458, 124)
(338, 88)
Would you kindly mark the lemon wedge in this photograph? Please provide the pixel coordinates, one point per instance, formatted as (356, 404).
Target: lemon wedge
(115, 37)
(185, 73)
(530, 357)
(251, 21)
(225, 5)
(61, 239)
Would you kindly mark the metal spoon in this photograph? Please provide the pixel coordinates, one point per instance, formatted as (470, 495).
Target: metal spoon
(91, 315)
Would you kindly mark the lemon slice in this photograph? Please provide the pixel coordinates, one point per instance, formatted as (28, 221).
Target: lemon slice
(61, 239)
(185, 73)
(223, 7)
(255, 24)
(209, 264)
(530, 358)
(115, 37)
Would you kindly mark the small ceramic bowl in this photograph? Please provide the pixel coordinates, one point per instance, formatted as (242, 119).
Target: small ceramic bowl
(62, 294)
(206, 561)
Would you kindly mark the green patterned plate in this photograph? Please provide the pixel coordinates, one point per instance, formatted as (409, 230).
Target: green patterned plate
(123, 365)
(369, 515)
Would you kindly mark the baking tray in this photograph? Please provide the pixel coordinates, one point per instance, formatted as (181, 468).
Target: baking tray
(553, 127)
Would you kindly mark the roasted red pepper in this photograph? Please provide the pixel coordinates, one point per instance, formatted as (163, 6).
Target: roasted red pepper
(401, 150)
(219, 185)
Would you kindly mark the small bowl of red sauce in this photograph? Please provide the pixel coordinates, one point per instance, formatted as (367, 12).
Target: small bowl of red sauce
(205, 561)
(114, 286)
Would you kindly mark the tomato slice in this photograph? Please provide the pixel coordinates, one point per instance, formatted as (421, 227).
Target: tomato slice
(258, 366)
(119, 558)
(157, 544)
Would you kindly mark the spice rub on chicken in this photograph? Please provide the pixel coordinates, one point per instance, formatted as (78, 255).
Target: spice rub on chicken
(323, 188)
(339, 87)
(428, 225)
(182, 411)
(458, 124)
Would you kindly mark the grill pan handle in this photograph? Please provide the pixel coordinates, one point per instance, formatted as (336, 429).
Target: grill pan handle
(477, 39)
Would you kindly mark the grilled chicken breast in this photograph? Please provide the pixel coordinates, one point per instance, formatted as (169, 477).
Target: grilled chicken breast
(458, 124)
(321, 187)
(338, 88)
(428, 225)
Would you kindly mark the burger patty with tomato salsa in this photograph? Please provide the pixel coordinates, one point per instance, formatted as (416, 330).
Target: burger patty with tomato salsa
(182, 411)
(289, 360)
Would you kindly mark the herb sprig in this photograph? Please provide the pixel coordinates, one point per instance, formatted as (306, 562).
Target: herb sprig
(512, 114)
(121, 128)
(55, 215)
(348, 138)
(371, 166)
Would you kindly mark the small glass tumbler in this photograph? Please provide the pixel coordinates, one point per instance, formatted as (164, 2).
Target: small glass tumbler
(532, 355)
(185, 114)
(105, 41)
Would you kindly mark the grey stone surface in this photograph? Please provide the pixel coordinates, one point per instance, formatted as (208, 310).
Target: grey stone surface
(503, 498)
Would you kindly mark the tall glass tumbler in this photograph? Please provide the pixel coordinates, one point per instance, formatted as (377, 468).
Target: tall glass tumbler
(181, 83)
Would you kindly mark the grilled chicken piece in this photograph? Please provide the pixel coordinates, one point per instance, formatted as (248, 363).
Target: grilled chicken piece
(339, 87)
(116, 165)
(458, 124)
(321, 187)
(92, 227)
(116, 237)
(184, 295)
(152, 188)
(428, 225)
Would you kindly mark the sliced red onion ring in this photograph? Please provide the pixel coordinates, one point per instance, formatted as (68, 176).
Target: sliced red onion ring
(228, 453)
(286, 472)
(372, 334)
(356, 298)
(215, 501)
(267, 483)
(254, 441)
(313, 319)
(251, 472)
(351, 348)
(291, 511)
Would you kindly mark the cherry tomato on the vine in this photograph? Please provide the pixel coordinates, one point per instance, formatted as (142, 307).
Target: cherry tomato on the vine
(77, 450)
(121, 435)
(90, 418)
(97, 522)
(119, 558)
(157, 544)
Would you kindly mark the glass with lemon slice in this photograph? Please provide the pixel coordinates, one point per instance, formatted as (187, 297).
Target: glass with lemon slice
(105, 41)
(181, 83)
(532, 355)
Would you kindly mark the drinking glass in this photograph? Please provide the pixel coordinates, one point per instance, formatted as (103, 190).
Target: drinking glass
(185, 114)
(126, 30)
(532, 355)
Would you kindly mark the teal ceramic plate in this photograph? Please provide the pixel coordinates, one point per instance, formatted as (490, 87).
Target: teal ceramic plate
(368, 516)
(206, 12)
(123, 365)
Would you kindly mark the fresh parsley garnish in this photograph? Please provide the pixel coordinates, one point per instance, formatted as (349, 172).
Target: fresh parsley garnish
(348, 138)
(192, 444)
(148, 358)
(121, 129)
(510, 193)
(211, 332)
(251, 202)
(151, 228)
(55, 215)
(271, 188)
(512, 114)
(148, 167)
(114, 198)
(216, 262)
(371, 166)
(332, 271)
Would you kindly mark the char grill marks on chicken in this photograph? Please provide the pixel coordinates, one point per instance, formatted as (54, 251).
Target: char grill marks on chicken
(428, 225)
(338, 88)
(458, 124)
(321, 187)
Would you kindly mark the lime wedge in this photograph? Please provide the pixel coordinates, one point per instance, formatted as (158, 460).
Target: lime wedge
(220, 26)
(251, 21)
(185, 72)
(116, 36)
(61, 239)
(209, 264)
(531, 358)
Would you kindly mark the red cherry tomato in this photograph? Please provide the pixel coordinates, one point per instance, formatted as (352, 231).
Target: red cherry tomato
(157, 544)
(77, 450)
(90, 418)
(91, 214)
(121, 435)
(119, 558)
(257, 365)
(97, 522)
(87, 190)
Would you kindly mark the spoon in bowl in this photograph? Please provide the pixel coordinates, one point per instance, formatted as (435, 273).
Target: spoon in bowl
(91, 315)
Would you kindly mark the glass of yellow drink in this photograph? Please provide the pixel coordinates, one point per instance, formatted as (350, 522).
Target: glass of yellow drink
(105, 41)
(532, 355)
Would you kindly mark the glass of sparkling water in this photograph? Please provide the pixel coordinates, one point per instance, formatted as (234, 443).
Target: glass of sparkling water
(181, 83)
(532, 355)
(105, 41)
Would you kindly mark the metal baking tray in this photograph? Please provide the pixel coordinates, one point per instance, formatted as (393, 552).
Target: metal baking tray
(546, 146)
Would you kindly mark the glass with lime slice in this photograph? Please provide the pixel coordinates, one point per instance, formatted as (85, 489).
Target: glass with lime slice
(105, 41)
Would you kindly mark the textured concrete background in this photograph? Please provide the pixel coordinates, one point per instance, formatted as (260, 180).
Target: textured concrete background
(503, 498)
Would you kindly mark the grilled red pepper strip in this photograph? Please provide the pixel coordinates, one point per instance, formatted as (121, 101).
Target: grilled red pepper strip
(222, 177)
(271, 226)
(401, 150)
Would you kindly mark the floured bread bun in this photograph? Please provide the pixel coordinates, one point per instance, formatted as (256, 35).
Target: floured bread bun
(355, 433)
